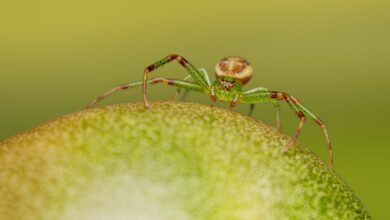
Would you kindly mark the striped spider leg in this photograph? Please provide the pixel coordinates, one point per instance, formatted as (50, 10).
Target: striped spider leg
(202, 81)
(193, 72)
(263, 95)
(172, 82)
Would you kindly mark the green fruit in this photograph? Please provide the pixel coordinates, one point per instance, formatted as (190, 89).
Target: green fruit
(174, 161)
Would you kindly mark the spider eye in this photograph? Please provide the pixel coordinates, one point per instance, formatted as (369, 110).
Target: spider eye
(236, 67)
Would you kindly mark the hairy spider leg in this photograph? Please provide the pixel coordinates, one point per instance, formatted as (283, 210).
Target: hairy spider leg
(324, 130)
(299, 109)
(274, 102)
(195, 74)
(178, 83)
(205, 75)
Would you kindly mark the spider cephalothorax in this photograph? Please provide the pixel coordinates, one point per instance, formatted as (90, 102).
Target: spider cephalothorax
(226, 88)
(229, 84)
(231, 74)
(236, 67)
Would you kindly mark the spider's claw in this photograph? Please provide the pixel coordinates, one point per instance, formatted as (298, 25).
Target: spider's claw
(146, 105)
(146, 102)
(288, 147)
(93, 103)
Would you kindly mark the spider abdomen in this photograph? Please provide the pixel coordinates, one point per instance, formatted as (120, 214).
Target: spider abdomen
(235, 67)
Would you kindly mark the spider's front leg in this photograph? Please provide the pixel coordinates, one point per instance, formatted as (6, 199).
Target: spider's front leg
(268, 96)
(172, 82)
(194, 73)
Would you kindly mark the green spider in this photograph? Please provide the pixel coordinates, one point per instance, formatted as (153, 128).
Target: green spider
(231, 74)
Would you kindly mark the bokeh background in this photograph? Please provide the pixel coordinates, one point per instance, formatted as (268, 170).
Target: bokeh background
(57, 55)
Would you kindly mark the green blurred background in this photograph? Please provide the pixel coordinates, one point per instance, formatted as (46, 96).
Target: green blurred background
(55, 56)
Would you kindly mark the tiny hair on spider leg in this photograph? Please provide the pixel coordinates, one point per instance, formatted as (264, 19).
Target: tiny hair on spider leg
(232, 73)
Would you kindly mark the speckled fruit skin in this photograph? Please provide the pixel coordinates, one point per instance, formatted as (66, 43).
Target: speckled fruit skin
(175, 161)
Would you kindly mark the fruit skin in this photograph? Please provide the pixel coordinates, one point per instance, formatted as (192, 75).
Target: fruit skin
(175, 161)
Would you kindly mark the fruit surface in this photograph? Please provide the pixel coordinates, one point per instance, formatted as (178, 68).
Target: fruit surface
(175, 161)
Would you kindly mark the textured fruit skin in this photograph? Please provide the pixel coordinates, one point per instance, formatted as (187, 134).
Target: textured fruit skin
(175, 161)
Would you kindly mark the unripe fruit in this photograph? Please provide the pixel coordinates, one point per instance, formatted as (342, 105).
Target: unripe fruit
(175, 161)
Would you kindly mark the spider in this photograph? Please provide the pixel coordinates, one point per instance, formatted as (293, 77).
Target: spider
(231, 74)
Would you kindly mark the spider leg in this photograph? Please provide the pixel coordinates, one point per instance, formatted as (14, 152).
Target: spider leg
(205, 75)
(320, 123)
(269, 96)
(277, 106)
(178, 90)
(274, 102)
(233, 103)
(195, 74)
(172, 82)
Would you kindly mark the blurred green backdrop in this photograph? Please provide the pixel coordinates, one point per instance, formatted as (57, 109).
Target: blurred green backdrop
(55, 56)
